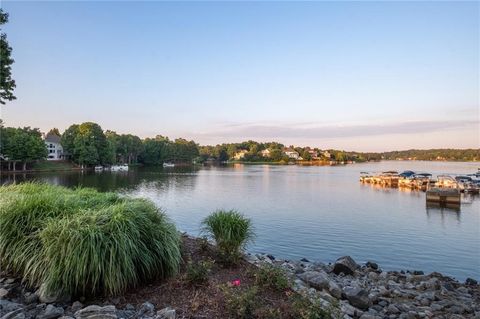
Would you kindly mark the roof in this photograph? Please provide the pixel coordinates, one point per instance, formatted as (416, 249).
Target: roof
(52, 138)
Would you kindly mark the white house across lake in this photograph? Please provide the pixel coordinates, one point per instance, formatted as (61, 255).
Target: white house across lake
(54, 148)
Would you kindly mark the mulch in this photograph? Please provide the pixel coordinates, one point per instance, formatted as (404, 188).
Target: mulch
(207, 300)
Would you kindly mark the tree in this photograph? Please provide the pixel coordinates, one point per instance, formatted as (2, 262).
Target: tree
(86, 144)
(7, 84)
(306, 156)
(22, 145)
(54, 131)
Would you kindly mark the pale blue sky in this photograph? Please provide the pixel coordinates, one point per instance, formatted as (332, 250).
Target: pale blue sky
(352, 75)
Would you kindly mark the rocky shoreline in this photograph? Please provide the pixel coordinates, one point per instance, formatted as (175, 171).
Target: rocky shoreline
(367, 292)
(345, 288)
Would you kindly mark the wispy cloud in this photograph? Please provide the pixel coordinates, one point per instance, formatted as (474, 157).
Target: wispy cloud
(308, 130)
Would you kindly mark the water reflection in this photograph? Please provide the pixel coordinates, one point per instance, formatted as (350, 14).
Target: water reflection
(318, 212)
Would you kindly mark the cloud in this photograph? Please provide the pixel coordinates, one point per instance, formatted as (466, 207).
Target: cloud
(308, 130)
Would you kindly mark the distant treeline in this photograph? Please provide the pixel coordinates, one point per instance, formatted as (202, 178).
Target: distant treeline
(87, 145)
(446, 154)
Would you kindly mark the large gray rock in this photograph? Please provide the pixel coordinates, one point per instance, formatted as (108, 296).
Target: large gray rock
(357, 297)
(316, 279)
(46, 296)
(52, 312)
(15, 314)
(147, 309)
(8, 306)
(96, 312)
(3, 293)
(345, 265)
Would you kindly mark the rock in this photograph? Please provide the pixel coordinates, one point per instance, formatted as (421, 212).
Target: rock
(417, 272)
(30, 298)
(334, 289)
(392, 310)
(15, 314)
(371, 264)
(3, 293)
(357, 297)
(126, 314)
(345, 265)
(10, 281)
(305, 260)
(147, 309)
(316, 279)
(471, 282)
(52, 312)
(96, 312)
(271, 257)
(76, 306)
(66, 317)
(9, 306)
(51, 297)
(369, 316)
(166, 313)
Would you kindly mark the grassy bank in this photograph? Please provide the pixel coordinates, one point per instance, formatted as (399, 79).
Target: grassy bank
(82, 241)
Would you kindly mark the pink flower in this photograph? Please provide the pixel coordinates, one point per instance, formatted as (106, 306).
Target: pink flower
(236, 282)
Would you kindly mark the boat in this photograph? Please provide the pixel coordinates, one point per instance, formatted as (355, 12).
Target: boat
(446, 181)
(389, 178)
(119, 168)
(168, 164)
(421, 181)
(466, 184)
(98, 168)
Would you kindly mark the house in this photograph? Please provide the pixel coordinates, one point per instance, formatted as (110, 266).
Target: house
(54, 148)
(292, 154)
(265, 153)
(312, 152)
(240, 154)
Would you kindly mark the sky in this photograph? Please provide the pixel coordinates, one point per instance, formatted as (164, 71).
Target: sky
(363, 76)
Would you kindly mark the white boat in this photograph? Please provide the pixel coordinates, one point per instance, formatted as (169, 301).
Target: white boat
(168, 165)
(446, 181)
(119, 168)
(98, 168)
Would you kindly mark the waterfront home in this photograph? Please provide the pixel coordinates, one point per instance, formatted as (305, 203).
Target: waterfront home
(291, 153)
(240, 154)
(265, 153)
(313, 153)
(54, 148)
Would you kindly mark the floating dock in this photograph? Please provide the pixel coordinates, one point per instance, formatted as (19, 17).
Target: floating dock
(445, 196)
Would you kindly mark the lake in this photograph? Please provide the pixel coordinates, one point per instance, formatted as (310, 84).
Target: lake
(317, 212)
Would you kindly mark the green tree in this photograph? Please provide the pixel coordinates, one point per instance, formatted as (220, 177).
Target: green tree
(7, 84)
(87, 144)
(306, 156)
(23, 145)
(54, 131)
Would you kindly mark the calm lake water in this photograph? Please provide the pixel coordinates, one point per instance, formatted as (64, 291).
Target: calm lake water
(320, 213)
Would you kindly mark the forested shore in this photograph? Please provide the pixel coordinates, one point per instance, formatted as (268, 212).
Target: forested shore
(87, 145)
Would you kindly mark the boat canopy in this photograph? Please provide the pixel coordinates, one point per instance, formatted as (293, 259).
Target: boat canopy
(407, 173)
(463, 178)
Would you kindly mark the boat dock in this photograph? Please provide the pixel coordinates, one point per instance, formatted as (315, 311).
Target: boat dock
(446, 196)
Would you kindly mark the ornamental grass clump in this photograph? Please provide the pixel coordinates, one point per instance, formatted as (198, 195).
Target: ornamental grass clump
(82, 241)
(231, 231)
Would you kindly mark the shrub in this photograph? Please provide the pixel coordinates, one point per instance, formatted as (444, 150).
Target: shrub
(197, 272)
(231, 231)
(273, 277)
(240, 303)
(83, 241)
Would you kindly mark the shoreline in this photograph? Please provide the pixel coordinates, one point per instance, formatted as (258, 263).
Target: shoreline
(345, 288)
